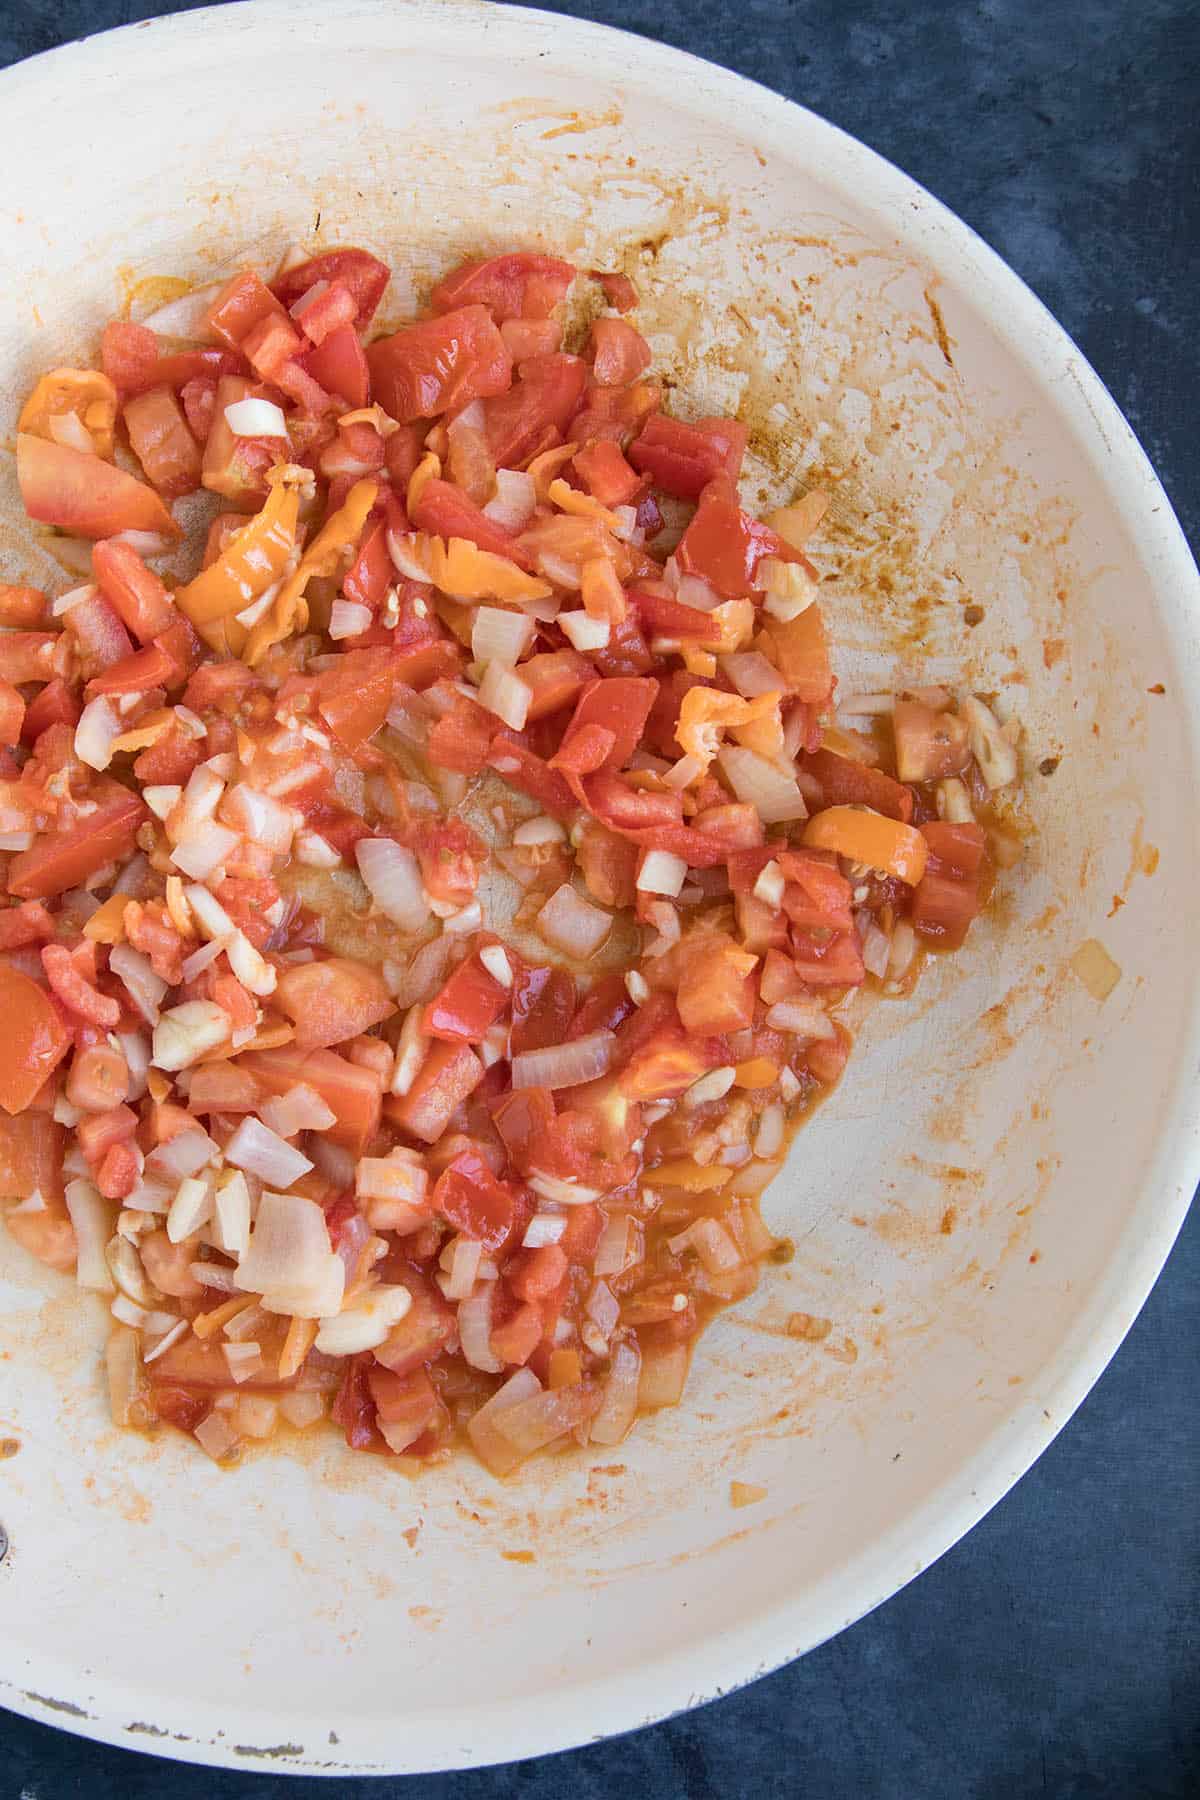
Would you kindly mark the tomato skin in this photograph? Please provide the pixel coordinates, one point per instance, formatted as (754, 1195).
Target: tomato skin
(85, 496)
(683, 458)
(608, 864)
(617, 289)
(439, 365)
(446, 510)
(605, 1008)
(528, 773)
(426, 1329)
(832, 963)
(469, 1197)
(339, 365)
(538, 406)
(845, 782)
(468, 1004)
(35, 1039)
(244, 303)
(519, 285)
(817, 895)
(363, 274)
(333, 1000)
(462, 738)
(662, 616)
(948, 898)
(65, 859)
(725, 545)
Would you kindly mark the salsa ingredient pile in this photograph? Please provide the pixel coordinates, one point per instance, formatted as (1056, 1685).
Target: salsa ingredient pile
(424, 926)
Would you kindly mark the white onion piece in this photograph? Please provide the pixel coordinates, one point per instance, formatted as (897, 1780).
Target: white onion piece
(498, 635)
(184, 1154)
(69, 429)
(347, 618)
(751, 673)
(995, 755)
(300, 1109)
(492, 1449)
(803, 1017)
(186, 317)
(189, 1210)
(619, 1405)
(92, 1217)
(475, 1330)
(565, 1065)
(260, 1151)
(661, 873)
(259, 817)
(186, 1033)
(66, 601)
(289, 1256)
(562, 1190)
(583, 632)
(876, 948)
(365, 1322)
(144, 987)
(255, 418)
(543, 1229)
(302, 1408)
(333, 1161)
(201, 959)
(216, 1436)
(512, 505)
(232, 1212)
(464, 1268)
(770, 885)
(540, 830)
(393, 878)
(204, 850)
(504, 694)
(98, 728)
(774, 795)
(573, 924)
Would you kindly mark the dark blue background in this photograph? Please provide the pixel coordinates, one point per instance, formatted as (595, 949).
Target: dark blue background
(1054, 1651)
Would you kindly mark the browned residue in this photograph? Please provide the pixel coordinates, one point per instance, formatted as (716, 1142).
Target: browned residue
(939, 326)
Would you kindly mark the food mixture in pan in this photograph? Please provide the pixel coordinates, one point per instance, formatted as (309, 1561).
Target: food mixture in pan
(426, 923)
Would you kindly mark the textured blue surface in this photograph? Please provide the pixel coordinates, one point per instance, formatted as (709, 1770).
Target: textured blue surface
(1056, 1650)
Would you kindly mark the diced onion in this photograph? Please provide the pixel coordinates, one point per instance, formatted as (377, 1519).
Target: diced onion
(216, 1436)
(475, 1330)
(573, 924)
(92, 1217)
(302, 1408)
(255, 418)
(259, 817)
(185, 1154)
(713, 1086)
(494, 958)
(300, 1109)
(543, 1229)
(144, 987)
(232, 1209)
(498, 635)
(365, 1322)
(186, 1033)
(199, 960)
(98, 729)
(204, 850)
(504, 694)
(661, 873)
(512, 505)
(876, 948)
(565, 1065)
(69, 429)
(393, 878)
(532, 1424)
(289, 1258)
(347, 618)
(73, 597)
(260, 1151)
(186, 317)
(464, 1268)
(562, 1190)
(618, 1408)
(1095, 968)
(751, 674)
(790, 590)
(493, 1450)
(991, 749)
(803, 1017)
(770, 885)
(541, 830)
(774, 795)
(584, 632)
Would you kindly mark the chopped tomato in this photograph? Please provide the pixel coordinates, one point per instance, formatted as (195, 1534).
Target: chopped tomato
(524, 1119)
(447, 511)
(12, 714)
(134, 591)
(81, 494)
(800, 652)
(620, 706)
(537, 407)
(618, 290)
(56, 704)
(449, 1074)
(608, 864)
(725, 545)
(947, 899)
(353, 698)
(618, 353)
(817, 895)
(683, 458)
(554, 678)
(333, 1000)
(162, 442)
(450, 854)
(520, 285)
(468, 1004)
(339, 366)
(21, 607)
(35, 1039)
(363, 274)
(527, 772)
(462, 738)
(469, 1197)
(439, 365)
(244, 302)
(351, 1093)
(606, 474)
(426, 1329)
(823, 961)
(845, 782)
(64, 859)
(930, 745)
(717, 988)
